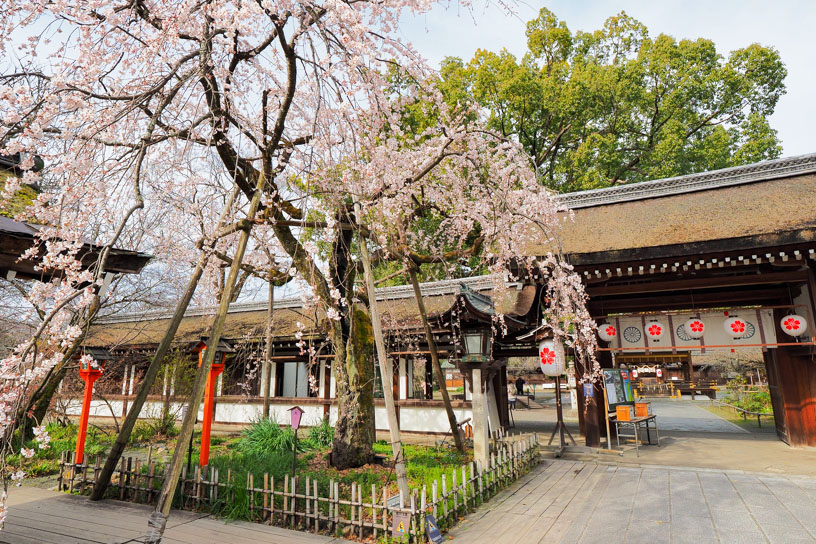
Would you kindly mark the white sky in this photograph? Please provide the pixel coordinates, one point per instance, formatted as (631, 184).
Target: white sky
(787, 25)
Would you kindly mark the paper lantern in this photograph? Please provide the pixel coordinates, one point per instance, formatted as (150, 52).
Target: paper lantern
(694, 327)
(551, 357)
(607, 332)
(793, 325)
(634, 373)
(659, 372)
(655, 330)
(735, 327)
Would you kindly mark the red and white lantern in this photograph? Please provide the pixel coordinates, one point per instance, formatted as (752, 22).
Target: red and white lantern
(607, 332)
(551, 357)
(793, 325)
(655, 330)
(735, 327)
(694, 327)
(659, 372)
(634, 373)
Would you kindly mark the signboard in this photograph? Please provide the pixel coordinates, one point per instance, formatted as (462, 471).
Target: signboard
(400, 523)
(432, 529)
(618, 387)
(393, 502)
(589, 391)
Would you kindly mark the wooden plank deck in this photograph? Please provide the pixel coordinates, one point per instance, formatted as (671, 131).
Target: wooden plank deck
(41, 516)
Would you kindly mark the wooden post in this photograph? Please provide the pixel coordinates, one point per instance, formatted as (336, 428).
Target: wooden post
(158, 519)
(385, 365)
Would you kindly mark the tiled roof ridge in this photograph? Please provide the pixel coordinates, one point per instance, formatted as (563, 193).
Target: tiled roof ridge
(442, 287)
(714, 179)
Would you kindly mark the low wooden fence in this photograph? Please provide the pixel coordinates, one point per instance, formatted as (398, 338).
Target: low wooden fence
(745, 413)
(298, 502)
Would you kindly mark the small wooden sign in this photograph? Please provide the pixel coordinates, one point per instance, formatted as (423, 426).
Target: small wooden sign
(432, 529)
(400, 523)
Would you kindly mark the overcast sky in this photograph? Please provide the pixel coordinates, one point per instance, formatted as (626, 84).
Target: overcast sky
(787, 25)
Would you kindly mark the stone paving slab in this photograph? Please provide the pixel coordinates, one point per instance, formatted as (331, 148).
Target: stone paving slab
(562, 501)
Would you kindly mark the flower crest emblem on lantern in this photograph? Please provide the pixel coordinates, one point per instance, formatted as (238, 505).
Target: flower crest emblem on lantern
(551, 357)
(607, 332)
(694, 327)
(735, 327)
(655, 330)
(793, 325)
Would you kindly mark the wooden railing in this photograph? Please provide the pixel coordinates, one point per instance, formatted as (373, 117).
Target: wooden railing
(298, 502)
(745, 413)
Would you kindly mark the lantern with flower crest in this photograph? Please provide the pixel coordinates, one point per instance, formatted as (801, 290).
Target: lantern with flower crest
(694, 327)
(793, 325)
(607, 332)
(735, 327)
(551, 357)
(655, 330)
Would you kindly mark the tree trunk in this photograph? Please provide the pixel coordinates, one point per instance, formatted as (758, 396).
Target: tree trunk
(354, 376)
(437, 368)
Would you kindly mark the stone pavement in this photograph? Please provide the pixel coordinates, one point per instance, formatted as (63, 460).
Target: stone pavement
(41, 516)
(580, 502)
(690, 416)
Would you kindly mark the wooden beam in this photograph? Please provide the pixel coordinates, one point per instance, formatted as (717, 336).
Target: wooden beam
(698, 283)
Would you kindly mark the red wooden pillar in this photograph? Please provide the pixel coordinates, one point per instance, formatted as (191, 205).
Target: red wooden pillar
(89, 375)
(209, 401)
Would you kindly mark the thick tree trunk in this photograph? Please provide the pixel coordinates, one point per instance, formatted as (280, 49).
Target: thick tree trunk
(437, 368)
(354, 375)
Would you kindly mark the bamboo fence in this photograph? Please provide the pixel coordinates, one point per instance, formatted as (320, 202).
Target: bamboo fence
(298, 503)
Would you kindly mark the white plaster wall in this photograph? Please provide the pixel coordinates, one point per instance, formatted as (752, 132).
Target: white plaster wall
(412, 418)
(431, 419)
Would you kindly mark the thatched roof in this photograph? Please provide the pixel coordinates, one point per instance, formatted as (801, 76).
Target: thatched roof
(248, 321)
(760, 205)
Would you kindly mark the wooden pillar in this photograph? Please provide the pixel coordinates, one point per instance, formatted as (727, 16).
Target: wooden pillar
(690, 364)
(481, 441)
(792, 380)
(594, 418)
(403, 379)
(500, 387)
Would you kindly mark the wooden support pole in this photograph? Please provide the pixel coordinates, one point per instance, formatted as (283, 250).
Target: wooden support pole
(386, 370)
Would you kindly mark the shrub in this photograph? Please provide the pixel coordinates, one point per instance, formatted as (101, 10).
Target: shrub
(320, 436)
(142, 432)
(265, 436)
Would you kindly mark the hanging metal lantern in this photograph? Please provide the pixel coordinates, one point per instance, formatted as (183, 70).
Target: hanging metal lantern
(607, 332)
(735, 327)
(694, 327)
(793, 325)
(551, 357)
(655, 330)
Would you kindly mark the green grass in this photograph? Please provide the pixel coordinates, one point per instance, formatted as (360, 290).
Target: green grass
(750, 423)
